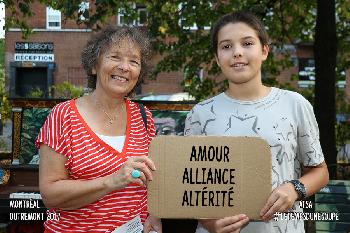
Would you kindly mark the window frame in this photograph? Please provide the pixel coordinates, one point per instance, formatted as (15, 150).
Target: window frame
(134, 22)
(83, 6)
(55, 13)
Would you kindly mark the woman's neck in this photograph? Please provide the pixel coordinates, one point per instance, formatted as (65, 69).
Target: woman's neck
(109, 103)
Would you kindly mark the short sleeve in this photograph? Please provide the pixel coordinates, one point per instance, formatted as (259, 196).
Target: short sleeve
(309, 146)
(192, 123)
(55, 131)
(150, 123)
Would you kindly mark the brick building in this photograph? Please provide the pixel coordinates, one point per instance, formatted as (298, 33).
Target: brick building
(52, 55)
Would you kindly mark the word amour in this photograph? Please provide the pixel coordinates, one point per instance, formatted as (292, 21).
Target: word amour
(210, 153)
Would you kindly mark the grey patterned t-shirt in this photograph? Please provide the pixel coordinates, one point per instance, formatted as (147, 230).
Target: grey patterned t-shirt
(285, 119)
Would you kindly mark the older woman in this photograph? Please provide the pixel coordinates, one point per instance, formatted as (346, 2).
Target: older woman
(93, 150)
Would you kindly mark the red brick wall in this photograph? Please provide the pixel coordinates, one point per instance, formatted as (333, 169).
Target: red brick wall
(67, 48)
(165, 83)
(38, 21)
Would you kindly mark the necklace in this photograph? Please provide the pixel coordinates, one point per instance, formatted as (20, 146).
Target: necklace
(111, 120)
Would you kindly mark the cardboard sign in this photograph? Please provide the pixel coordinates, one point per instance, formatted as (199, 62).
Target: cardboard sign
(209, 177)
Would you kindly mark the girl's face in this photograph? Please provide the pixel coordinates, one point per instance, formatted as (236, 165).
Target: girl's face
(118, 68)
(240, 53)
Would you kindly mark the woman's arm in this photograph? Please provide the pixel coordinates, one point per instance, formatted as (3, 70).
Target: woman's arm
(59, 191)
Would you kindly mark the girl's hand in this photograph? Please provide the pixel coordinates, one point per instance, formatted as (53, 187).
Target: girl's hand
(280, 200)
(123, 177)
(152, 224)
(232, 224)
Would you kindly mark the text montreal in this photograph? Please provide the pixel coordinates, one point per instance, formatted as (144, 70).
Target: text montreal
(24, 204)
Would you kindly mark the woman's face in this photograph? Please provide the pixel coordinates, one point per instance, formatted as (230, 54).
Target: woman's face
(240, 53)
(118, 68)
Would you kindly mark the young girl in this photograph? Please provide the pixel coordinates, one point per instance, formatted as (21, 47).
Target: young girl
(285, 119)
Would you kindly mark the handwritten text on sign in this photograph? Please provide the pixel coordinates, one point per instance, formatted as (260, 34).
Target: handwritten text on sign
(209, 176)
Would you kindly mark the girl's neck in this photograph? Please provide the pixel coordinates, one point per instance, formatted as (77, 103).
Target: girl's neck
(247, 91)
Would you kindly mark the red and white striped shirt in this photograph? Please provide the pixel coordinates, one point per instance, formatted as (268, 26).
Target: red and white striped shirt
(89, 157)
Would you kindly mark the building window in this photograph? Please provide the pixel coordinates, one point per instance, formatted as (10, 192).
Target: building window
(306, 69)
(121, 18)
(2, 20)
(306, 72)
(83, 11)
(341, 83)
(182, 22)
(53, 18)
(141, 16)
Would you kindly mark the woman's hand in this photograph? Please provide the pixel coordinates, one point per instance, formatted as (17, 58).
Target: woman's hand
(152, 224)
(123, 177)
(280, 200)
(232, 224)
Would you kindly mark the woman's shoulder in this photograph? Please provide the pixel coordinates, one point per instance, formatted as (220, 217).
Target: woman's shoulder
(62, 108)
(135, 105)
(132, 103)
(134, 108)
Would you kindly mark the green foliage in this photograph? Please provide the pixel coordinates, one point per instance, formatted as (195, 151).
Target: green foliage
(170, 22)
(342, 105)
(36, 93)
(3, 144)
(191, 51)
(5, 109)
(342, 135)
(200, 89)
(342, 129)
(33, 119)
(18, 14)
(66, 90)
(2, 53)
(343, 35)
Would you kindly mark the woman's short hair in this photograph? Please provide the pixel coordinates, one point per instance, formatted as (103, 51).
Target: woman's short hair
(100, 42)
(239, 17)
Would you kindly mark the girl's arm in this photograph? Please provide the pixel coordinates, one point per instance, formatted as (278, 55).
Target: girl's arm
(232, 224)
(152, 224)
(315, 178)
(284, 196)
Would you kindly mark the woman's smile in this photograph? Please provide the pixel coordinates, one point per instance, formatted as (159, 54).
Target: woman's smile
(120, 78)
